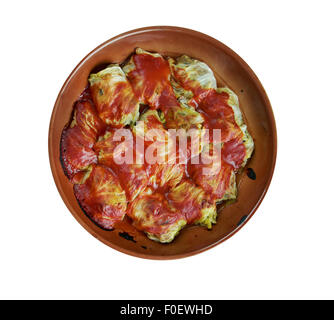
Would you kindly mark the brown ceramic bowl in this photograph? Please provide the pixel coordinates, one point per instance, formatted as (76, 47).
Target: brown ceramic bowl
(229, 68)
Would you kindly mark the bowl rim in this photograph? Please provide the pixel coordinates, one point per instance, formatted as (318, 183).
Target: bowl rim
(233, 55)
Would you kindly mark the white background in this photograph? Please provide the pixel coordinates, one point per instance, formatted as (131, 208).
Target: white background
(285, 251)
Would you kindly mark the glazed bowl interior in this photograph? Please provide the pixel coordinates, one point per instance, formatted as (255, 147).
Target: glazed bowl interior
(229, 70)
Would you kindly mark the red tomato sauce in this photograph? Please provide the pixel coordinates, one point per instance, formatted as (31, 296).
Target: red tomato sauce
(218, 114)
(150, 81)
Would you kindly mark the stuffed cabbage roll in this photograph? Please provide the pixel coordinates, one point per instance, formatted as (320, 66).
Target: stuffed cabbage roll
(149, 75)
(78, 138)
(164, 164)
(152, 214)
(113, 96)
(214, 175)
(124, 159)
(192, 76)
(220, 109)
(193, 203)
(101, 196)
